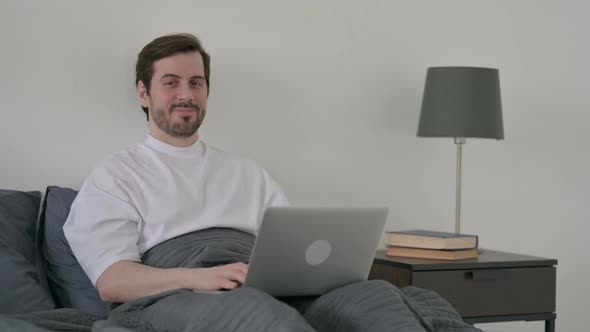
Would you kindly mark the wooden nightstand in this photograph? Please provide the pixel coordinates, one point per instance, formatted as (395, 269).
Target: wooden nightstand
(495, 287)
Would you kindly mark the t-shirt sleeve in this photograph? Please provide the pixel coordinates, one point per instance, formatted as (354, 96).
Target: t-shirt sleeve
(102, 227)
(275, 196)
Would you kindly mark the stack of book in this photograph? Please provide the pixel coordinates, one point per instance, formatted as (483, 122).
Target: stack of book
(432, 245)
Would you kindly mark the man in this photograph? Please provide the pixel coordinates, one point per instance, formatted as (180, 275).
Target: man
(171, 184)
(151, 196)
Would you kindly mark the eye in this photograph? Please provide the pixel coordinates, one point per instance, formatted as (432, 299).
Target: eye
(197, 83)
(170, 83)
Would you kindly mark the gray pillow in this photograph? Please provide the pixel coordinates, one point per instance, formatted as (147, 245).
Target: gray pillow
(69, 284)
(20, 288)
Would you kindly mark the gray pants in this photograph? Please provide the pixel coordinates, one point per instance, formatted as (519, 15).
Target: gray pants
(365, 306)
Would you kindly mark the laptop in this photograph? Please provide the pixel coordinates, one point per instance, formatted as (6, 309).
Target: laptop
(310, 251)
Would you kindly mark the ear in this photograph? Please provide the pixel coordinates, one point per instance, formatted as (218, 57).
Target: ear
(142, 94)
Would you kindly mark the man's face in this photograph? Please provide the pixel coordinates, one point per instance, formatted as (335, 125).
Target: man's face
(177, 99)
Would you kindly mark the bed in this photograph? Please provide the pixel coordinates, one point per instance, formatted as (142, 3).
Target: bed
(43, 288)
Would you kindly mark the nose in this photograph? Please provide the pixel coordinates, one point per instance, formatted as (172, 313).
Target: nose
(184, 93)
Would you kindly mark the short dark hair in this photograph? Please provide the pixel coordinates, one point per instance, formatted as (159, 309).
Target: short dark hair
(163, 47)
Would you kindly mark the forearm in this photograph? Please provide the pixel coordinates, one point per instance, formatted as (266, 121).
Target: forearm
(126, 281)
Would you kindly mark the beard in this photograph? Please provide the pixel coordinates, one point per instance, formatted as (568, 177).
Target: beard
(185, 128)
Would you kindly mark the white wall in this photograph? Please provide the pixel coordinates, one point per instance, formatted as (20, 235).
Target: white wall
(326, 94)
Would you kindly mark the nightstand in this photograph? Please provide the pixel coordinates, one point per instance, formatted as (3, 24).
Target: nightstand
(494, 287)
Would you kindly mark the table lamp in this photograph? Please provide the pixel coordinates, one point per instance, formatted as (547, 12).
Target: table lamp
(461, 102)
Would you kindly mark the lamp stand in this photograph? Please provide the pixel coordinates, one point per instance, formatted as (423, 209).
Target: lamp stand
(459, 141)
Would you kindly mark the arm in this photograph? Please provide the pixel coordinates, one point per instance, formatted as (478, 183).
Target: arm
(124, 280)
(102, 230)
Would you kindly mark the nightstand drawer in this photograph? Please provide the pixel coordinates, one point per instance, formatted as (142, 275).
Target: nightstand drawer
(493, 292)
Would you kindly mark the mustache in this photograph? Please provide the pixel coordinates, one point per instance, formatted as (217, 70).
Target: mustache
(186, 105)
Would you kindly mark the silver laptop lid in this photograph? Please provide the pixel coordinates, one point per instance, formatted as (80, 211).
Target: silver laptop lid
(310, 251)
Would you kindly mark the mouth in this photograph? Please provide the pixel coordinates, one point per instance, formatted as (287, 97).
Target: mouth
(184, 111)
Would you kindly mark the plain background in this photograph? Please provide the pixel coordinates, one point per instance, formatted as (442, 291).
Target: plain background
(326, 95)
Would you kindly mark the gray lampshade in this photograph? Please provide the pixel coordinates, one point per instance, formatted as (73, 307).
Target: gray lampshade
(461, 102)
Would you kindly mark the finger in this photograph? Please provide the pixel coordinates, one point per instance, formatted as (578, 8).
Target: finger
(241, 270)
(228, 284)
(240, 277)
(235, 275)
(242, 267)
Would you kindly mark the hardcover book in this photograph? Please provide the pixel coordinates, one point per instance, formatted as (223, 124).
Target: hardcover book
(431, 240)
(432, 253)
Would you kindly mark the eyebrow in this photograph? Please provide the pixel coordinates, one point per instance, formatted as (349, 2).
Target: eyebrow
(176, 76)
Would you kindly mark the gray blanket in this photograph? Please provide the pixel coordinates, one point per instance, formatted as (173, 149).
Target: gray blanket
(364, 306)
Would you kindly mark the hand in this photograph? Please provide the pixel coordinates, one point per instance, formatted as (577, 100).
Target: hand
(228, 276)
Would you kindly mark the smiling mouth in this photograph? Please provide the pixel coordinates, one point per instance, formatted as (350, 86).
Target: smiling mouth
(184, 111)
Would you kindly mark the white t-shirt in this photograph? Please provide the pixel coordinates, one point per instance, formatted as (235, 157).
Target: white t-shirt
(152, 192)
